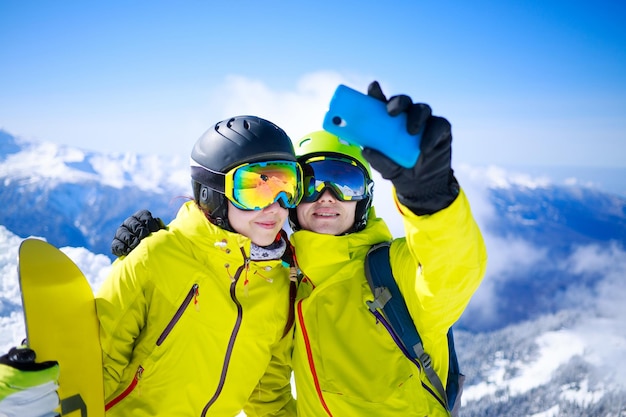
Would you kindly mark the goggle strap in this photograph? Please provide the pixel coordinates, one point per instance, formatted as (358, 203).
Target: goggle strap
(212, 179)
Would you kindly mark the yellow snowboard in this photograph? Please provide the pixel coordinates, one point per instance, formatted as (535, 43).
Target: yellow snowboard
(61, 325)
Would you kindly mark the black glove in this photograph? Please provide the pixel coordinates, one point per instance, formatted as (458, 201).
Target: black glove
(27, 388)
(133, 230)
(429, 186)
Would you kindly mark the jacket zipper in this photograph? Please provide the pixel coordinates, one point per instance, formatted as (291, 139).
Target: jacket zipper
(233, 334)
(309, 354)
(192, 293)
(181, 309)
(127, 391)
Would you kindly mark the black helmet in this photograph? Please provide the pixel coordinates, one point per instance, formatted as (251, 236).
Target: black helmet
(227, 144)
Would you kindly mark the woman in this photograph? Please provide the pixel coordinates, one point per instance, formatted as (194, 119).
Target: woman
(193, 321)
(196, 320)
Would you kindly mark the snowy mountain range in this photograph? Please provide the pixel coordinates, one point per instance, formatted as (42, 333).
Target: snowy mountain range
(544, 336)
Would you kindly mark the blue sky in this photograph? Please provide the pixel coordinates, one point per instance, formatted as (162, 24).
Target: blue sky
(533, 83)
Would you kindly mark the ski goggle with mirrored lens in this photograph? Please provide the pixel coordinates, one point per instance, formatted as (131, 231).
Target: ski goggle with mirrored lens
(347, 180)
(257, 185)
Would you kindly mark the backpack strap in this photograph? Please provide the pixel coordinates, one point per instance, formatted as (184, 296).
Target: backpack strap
(390, 309)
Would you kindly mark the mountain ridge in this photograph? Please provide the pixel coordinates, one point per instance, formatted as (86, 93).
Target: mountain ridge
(542, 337)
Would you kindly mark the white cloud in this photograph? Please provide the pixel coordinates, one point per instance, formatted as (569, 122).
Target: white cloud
(298, 110)
(603, 327)
(505, 256)
(95, 267)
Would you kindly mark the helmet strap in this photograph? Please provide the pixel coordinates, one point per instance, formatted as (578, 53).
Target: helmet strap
(214, 205)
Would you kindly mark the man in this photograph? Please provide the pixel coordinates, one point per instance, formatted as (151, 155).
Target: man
(345, 363)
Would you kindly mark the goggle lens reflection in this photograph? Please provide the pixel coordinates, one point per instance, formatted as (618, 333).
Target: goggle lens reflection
(347, 180)
(258, 185)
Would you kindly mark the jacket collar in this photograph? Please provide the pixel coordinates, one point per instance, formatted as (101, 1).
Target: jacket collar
(206, 236)
(319, 255)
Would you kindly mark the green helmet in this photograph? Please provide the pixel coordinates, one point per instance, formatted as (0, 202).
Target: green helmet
(322, 143)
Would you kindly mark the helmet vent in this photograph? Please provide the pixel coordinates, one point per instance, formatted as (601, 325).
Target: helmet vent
(304, 141)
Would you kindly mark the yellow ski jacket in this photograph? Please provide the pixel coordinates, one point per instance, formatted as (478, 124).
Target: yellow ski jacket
(346, 364)
(191, 327)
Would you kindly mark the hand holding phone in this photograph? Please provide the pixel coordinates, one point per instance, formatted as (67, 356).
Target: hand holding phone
(363, 120)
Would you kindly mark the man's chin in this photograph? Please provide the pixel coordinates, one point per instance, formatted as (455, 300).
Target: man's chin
(327, 227)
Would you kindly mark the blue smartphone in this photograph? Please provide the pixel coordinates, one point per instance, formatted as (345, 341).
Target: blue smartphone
(363, 120)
